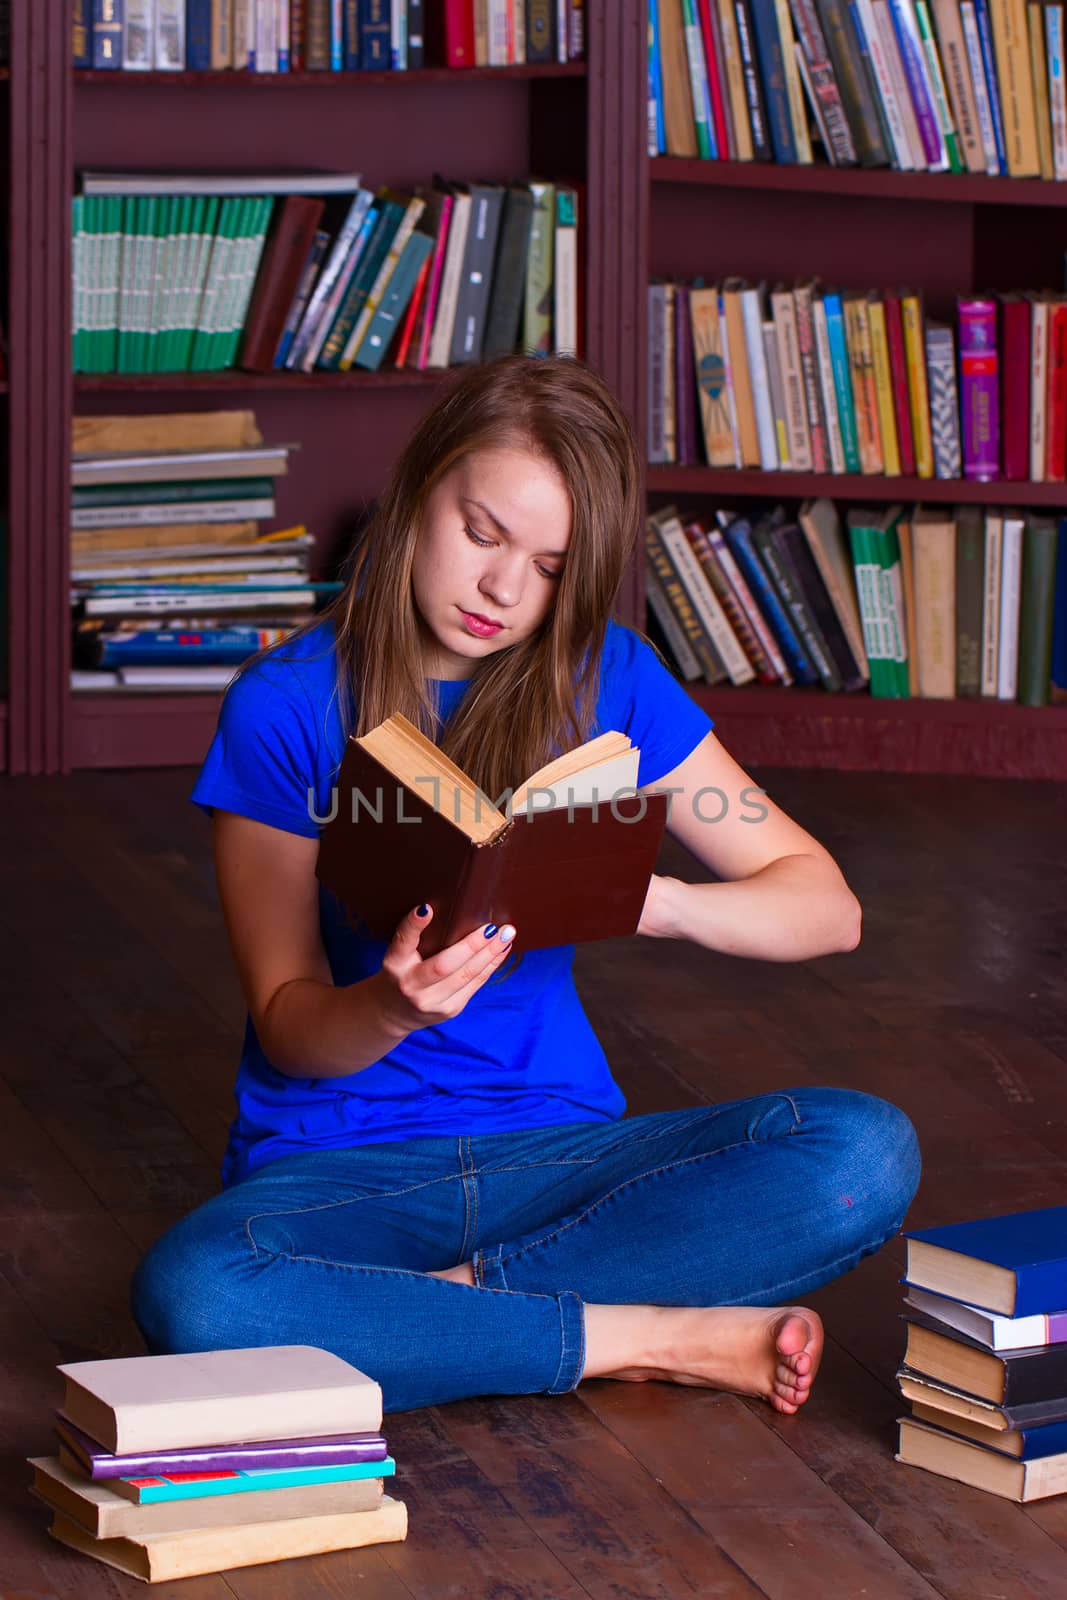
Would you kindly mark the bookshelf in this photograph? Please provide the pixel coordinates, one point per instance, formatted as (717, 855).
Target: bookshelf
(858, 229)
(560, 121)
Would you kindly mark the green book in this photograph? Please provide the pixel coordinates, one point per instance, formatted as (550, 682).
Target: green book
(876, 559)
(394, 302)
(377, 248)
(106, 282)
(79, 259)
(1037, 610)
(203, 223)
(540, 272)
(132, 221)
(970, 582)
(936, 80)
(140, 494)
(258, 222)
(213, 279)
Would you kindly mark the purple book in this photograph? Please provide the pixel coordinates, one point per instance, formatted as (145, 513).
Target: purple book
(685, 389)
(337, 1449)
(979, 397)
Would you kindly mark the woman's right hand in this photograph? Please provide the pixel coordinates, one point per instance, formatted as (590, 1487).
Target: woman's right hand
(416, 991)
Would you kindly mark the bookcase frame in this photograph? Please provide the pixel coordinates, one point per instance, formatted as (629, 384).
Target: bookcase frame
(44, 728)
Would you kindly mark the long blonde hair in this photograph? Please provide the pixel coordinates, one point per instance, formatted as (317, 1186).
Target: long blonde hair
(538, 697)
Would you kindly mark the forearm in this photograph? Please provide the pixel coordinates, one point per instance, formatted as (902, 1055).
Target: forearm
(317, 1030)
(793, 909)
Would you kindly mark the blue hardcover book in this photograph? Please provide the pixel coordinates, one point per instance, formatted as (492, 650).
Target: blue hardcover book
(81, 34)
(401, 286)
(337, 33)
(739, 538)
(350, 61)
(1015, 1265)
(772, 76)
(375, 35)
(106, 43)
(657, 138)
(216, 647)
(197, 1485)
(846, 407)
(198, 35)
(1059, 616)
(989, 62)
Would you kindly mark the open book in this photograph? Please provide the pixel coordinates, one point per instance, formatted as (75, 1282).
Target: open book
(566, 857)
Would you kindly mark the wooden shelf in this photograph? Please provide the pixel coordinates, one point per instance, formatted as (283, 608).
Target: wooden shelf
(143, 382)
(369, 80)
(849, 486)
(879, 183)
(777, 727)
(113, 729)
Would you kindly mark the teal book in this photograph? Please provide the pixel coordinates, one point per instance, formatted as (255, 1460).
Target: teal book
(399, 290)
(236, 1480)
(390, 216)
(846, 409)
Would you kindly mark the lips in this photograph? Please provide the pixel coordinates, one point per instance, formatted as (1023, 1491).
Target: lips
(481, 627)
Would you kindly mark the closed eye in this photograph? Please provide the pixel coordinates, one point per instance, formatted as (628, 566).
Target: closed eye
(487, 544)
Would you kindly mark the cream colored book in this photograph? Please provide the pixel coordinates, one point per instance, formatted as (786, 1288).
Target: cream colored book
(104, 1514)
(933, 546)
(193, 1552)
(219, 1396)
(922, 1446)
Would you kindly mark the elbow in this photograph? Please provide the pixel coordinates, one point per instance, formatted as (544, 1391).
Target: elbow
(851, 930)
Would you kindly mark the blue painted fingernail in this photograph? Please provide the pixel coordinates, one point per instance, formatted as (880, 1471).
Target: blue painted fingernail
(490, 930)
(422, 911)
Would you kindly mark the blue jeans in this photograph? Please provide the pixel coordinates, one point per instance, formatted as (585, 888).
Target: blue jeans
(754, 1202)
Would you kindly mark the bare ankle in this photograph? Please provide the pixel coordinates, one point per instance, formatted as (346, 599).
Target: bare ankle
(620, 1338)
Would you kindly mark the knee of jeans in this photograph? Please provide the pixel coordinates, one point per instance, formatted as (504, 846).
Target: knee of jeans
(873, 1177)
(178, 1296)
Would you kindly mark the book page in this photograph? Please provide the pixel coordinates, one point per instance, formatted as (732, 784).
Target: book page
(600, 783)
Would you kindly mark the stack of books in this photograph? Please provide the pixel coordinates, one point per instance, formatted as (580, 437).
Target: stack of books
(312, 272)
(806, 379)
(958, 86)
(933, 603)
(985, 1369)
(148, 1476)
(324, 36)
(167, 554)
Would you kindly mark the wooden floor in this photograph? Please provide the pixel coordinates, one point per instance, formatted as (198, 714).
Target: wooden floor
(119, 1028)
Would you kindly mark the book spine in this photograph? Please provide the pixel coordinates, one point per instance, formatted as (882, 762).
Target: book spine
(944, 408)
(741, 133)
(684, 385)
(936, 83)
(1011, 44)
(416, 35)
(724, 142)
(1037, 611)
(711, 377)
(80, 34)
(785, 321)
(909, 41)
(1011, 560)
(846, 410)
(978, 369)
(375, 36)
(985, 39)
(699, 84)
(761, 388)
(198, 35)
(949, 24)
(851, 76)
(883, 387)
(1038, 379)
(703, 599)
(1039, 79)
(861, 365)
(970, 564)
(991, 604)
(696, 634)
(108, 17)
(758, 623)
(740, 538)
(1056, 395)
(776, 557)
(1015, 388)
(883, 64)
(915, 357)
(777, 391)
(983, 106)
(698, 537)
(757, 116)
(825, 92)
(773, 78)
(677, 643)
(827, 390)
(1057, 89)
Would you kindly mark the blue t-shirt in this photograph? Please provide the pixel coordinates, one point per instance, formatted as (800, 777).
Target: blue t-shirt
(522, 1053)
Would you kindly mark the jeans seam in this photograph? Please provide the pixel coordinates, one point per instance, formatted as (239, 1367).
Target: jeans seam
(652, 1172)
(470, 1193)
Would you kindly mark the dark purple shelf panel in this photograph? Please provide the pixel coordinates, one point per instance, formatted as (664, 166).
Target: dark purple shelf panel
(142, 382)
(849, 486)
(3, 735)
(112, 729)
(772, 727)
(370, 80)
(879, 183)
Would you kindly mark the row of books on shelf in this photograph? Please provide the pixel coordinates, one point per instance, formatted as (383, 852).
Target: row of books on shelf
(955, 86)
(985, 1364)
(171, 1466)
(809, 380)
(927, 603)
(313, 272)
(323, 35)
(173, 581)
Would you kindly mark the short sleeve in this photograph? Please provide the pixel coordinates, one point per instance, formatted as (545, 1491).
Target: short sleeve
(263, 761)
(641, 698)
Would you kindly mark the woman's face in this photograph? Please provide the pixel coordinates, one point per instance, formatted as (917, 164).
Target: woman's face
(489, 557)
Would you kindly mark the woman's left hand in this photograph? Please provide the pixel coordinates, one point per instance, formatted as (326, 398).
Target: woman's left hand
(656, 916)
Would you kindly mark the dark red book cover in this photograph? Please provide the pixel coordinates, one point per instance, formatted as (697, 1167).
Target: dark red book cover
(1015, 387)
(685, 390)
(297, 36)
(898, 373)
(1056, 404)
(450, 33)
(278, 279)
(715, 82)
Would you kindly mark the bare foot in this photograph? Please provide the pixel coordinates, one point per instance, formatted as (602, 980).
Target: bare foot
(773, 1353)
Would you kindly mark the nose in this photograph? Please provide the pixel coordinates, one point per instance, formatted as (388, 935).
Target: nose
(501, 582)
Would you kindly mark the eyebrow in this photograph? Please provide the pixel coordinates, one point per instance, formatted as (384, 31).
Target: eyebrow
(552, 555)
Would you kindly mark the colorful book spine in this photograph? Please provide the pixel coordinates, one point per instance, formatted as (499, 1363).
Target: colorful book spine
(846, 408)
(980, 399)
(915, 357)
(944, 407)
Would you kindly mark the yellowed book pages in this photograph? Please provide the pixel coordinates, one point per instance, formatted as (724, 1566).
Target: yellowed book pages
(958, 81)
(89, 541)
(292, 1391)
(1011, 42)
(735, 79)
(678, 120)
(180, 430)
(907, 589)
(105, 1514)
(1039, 78)
(933, 559)
(965, 1462)
(711, 377)
(918, 394)
(883, 387)
(748, 436)
(159, 1557)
